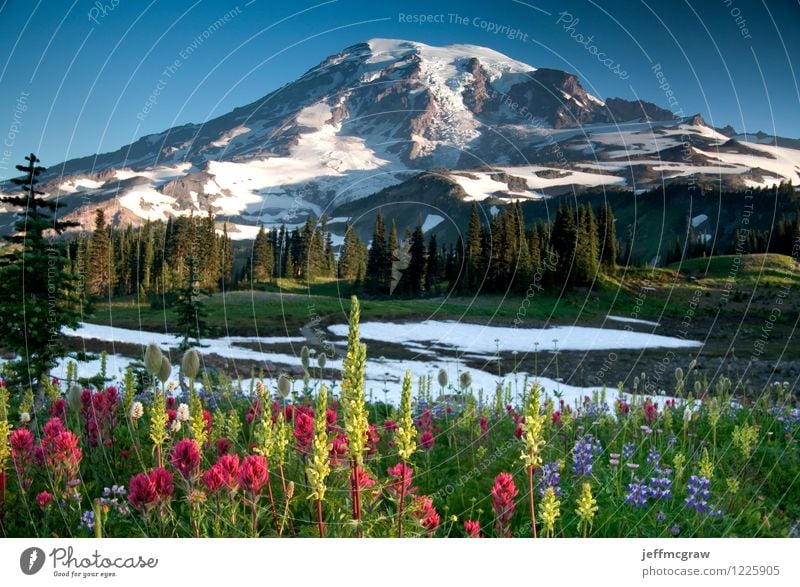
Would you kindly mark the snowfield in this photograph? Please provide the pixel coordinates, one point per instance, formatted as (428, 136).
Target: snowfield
(424, 338)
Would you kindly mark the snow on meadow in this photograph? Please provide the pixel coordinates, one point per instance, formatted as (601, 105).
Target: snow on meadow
(384, 375)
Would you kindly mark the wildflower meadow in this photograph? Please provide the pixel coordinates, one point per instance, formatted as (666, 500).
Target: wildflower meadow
(160, 457)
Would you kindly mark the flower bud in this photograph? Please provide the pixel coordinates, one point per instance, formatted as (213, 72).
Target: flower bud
(190, 365)
(152, 358)
(165, 370)
(442, 378)
(284, 385)
(74, 397)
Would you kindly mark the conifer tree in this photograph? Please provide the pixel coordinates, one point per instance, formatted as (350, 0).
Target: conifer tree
(190, 309)
(38, 297)
(607, 228)
(100, 276)
(378, 261)
(432, 268)
(262, 258)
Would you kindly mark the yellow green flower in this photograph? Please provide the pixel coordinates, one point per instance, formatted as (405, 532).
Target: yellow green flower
(745, 439)
(356, 424)
(550, 511)
(533, 430)
(318, 466)
(706, 465)
(587, 508)
(406, 432)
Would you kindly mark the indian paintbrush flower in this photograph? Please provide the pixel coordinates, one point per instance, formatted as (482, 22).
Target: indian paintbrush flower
(186, 458)
(503, 494)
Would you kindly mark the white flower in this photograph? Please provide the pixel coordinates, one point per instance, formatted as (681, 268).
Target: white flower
(24, 418)
(137, 410)
(176, 426)
(183, 413)
(687, 414)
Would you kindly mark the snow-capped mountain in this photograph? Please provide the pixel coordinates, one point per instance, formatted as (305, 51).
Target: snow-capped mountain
(382, 111)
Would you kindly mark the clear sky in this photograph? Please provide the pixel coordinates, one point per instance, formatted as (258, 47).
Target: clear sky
(75, 75)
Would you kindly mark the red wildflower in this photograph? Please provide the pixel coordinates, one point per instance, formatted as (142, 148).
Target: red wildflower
(372, 440)
(253, 474)
(503, 494)
(472, 528)
(43, 499)
(58, 409)
(170, 402)
(426, 513)
(21, 441)
(363, 480)
(223, 446)
(484, 424)
(623, 407)
(402, 476)
(330, 421)
(214, 479)
(209, 421)
(141, 492)
(339, 450)
(229, 467)
(390, 426)
(303, 429)
(186, 458)
(650, 411)
(53, 428)
(162, 483)
(557, 419)
(518, 431)
(426, 440)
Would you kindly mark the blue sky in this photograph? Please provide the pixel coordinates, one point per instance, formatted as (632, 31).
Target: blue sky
(72, 85)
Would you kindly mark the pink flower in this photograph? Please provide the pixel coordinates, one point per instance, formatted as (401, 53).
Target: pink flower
(303, 429)
(472, 528)
(229, 468)
(214, 479)
(484, 424)
(43, 499)
(21, 441)
(426, 513)
(141, 492)
(186, 458)
(426, 440)
(330, 421)
(223, 446)
(253, 474)
(557, 419)
(372, 440)
(402, 476)
(53, 428)
(390, 426)
(503, 494)
(162, 483)
(58, 409)
(363, 480)
(339, 450)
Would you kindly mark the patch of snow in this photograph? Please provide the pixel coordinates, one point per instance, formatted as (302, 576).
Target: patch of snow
(478, 338)
(698, 220)
(632, 320)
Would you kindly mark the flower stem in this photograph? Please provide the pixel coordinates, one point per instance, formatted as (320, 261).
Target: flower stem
(531, 471)
(320, 523)
(272, 503)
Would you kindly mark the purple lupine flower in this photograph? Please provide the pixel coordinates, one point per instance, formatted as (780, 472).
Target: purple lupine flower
(675, 530)
(653, 457)
(550, 478)
(661, 516)
(583, 454)
(660, 487)
(673, 440)
(698, 493)
(637, 494)
(87, 521)
(628, 450)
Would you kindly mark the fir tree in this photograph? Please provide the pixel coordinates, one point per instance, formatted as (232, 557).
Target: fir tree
(190, 309)
(100, 277)
(607, 228)
(432, 269)
(38, 297)
(262, 259)
(378, 261)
